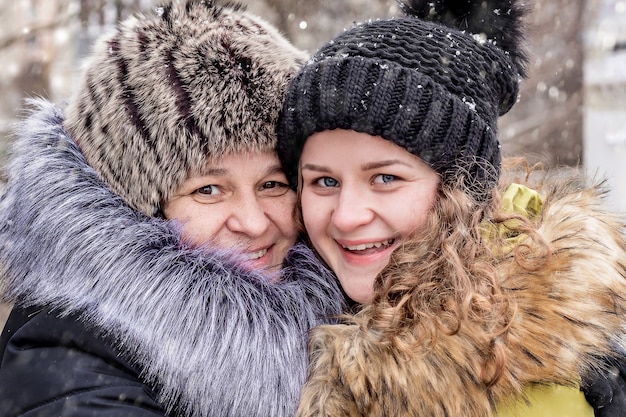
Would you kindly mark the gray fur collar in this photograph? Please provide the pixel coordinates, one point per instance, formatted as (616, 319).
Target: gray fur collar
(217, 340)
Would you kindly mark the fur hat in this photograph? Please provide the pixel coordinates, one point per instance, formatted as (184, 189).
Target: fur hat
(166, 91)
(434, 82)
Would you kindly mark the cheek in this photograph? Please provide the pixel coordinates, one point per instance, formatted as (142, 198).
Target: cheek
(313, 214)
(200, 233)
(201, 225)
(415, 211)
(173, 210)
(281, 211)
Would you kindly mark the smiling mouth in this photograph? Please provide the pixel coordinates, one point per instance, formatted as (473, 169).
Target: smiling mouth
(255, 255)
(367, 246)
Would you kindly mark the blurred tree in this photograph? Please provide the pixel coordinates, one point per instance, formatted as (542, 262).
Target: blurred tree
(547, 122)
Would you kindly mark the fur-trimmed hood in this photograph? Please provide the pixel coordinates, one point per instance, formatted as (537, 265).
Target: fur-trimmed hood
(215, 339)
(570, 313)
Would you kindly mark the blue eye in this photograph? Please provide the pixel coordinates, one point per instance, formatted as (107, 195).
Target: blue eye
(384, 178)
(327, 182)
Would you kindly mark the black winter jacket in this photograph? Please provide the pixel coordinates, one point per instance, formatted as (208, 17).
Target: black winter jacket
(606, 390)
(58, 366)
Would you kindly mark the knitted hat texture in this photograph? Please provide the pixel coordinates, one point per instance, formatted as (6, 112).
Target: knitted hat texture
(166, 91)
(433, 89)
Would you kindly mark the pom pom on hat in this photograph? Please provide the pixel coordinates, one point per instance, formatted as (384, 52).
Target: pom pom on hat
(420, 81)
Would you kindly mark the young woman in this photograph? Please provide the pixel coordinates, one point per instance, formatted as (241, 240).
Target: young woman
(474, 295)
(143, 228)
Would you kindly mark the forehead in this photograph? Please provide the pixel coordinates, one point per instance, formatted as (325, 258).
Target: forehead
(348, 145)
(241, 162)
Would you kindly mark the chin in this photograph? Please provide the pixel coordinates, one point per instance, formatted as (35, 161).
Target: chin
(361, 298)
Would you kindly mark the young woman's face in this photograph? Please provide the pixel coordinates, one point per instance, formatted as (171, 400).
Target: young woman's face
(241, 201)
(361, 196)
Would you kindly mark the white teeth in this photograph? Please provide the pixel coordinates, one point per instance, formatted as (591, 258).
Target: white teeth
(255, 255)
(364, 246)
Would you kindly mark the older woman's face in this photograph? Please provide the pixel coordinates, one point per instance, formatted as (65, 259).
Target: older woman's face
(241, 201)
(361, 196)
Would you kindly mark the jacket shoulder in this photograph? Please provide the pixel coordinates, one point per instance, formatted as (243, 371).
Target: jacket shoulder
(61, 367)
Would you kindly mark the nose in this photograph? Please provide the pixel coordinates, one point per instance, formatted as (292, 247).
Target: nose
(353, 209)
(248, 217)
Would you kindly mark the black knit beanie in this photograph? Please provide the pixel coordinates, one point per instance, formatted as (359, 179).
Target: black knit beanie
(434, 88)
(168, 90)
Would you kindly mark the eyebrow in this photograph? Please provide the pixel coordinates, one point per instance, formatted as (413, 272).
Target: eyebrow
(218, 172)
(382, 164)
(365, 167)
(313, 167)
(275, 169)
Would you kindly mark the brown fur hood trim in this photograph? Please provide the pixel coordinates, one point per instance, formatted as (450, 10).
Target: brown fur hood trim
(570, 312)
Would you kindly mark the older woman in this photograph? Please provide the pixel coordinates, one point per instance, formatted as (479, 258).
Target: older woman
(143, 231)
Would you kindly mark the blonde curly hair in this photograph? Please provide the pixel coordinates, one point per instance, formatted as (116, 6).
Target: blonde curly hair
(444, 279)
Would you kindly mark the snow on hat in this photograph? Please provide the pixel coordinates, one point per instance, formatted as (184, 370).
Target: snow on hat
(434, 82)
(168, 90)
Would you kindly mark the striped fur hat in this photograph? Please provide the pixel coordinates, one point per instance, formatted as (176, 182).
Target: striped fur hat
(166, 91)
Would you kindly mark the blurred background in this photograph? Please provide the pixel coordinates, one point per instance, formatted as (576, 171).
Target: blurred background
(572, 108)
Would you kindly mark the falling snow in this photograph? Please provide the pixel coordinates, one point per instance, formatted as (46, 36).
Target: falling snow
(565, 61)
